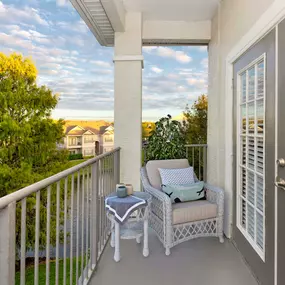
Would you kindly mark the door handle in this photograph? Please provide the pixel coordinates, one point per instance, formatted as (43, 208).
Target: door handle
(280, 182)
(281, 162)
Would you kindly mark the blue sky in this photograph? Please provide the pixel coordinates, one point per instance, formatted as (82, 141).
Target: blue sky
(72, 63)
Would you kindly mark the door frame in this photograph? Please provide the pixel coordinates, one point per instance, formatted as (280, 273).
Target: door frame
(269, 20)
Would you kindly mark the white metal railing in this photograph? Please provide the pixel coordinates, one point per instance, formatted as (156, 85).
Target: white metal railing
(70, 224)
(197, 157)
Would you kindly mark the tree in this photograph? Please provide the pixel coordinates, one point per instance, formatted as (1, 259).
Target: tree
(195, 122)
(167, 140)
(147, 129)
(28, 134)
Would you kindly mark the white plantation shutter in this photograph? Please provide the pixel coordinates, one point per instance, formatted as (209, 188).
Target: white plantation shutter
(250, 202)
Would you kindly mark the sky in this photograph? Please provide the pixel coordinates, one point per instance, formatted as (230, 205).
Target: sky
(72, 63)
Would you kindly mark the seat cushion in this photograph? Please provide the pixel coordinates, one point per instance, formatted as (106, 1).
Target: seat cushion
(193, 211)
(153, 172)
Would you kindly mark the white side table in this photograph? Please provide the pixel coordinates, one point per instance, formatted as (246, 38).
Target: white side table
(134, 228)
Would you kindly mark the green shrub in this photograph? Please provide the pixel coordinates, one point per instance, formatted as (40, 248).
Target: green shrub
(88, 156)
(75, 156)
(167, 141)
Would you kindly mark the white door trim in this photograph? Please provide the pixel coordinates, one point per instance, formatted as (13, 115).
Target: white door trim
(276, 154)
(271, 17)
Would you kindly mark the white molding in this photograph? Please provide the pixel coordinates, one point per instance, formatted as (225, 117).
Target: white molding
(272, 16)
(129, 58)
(276, 157)
(176, 31)
(115, 12)
(251, 240)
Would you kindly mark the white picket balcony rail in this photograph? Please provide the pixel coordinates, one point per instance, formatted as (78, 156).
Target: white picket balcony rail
(81, 226)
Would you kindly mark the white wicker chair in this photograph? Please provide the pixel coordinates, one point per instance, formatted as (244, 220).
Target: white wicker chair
(161, 218)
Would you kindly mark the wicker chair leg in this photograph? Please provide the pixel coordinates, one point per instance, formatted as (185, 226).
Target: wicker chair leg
(221, 238)
(167, 251)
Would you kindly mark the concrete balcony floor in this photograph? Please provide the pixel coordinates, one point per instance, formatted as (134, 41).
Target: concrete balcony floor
(200, 261)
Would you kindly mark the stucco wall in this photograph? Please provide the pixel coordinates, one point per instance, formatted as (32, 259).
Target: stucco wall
(230, 23)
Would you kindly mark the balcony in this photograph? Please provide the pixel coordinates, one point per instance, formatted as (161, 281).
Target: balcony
(71, 225)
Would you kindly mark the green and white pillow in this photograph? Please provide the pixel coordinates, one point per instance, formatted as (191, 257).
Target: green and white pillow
(185, 193)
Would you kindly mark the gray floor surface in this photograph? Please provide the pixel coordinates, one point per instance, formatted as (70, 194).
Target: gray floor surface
(202, 261)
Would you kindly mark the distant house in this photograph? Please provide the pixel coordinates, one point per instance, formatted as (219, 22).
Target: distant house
(87, 140)
(106, 138)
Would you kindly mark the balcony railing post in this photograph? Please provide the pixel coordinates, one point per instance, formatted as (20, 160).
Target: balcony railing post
(7, 244)
(94, 213)
(205, 163)
(117, 167)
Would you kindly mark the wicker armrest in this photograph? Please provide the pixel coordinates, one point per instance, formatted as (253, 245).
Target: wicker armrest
(161, 203)
(216, 195)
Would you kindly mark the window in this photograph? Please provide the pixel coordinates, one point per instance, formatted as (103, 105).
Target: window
(72, 141)
(108, 138)
(251, 130)
(89, 139)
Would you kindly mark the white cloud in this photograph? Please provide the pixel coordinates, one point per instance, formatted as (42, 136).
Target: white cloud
(200, 83)
(149, 49)
(101, 63)
(204, 63)
(78, 26)
(156, 69)
(180, 56)
(10, 14)
(203, 48)
(61, 2)
(21, 33)
(12, 41)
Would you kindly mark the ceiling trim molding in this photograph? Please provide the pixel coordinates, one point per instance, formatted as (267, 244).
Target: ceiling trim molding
(94, 15)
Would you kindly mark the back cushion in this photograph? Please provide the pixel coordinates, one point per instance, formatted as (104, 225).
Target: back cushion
(153, 172)
(177, 176)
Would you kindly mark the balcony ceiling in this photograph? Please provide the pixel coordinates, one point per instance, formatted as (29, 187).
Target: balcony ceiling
(173, 10)
(105, 17)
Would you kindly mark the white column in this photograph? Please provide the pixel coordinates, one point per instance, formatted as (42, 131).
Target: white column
(128, 98)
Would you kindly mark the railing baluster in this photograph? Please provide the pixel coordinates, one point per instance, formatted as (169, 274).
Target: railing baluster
(99, 201)
(199, 163)
(201, 151)
(102, 205)
(82, 224)
(94, 216)
(193, 158)
(37, 237)
(116, 167)
(77, 225)
(57, 232)
(71, 229)
(205, 164)
(23, 240)
(7, 244)
(48, 236)
(87, 220)
(65, 230)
